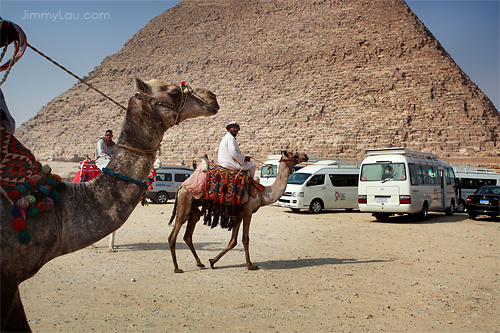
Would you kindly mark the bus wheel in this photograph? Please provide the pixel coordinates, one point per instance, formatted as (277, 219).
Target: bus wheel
(451, 209)
(295, 209)
(422, 216)
(316, 206)
(460, 207)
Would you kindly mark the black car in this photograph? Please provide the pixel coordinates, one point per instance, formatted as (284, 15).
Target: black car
(485, 201)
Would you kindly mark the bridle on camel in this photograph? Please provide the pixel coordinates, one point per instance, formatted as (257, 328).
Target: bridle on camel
(286, 162)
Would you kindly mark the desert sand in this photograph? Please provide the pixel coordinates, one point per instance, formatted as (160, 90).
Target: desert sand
(332, 272)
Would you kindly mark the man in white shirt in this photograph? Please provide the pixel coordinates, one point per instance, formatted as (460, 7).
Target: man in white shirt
(230, 156)
(105, 148)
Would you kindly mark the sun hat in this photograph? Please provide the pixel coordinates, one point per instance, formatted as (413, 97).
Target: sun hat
(231, 124)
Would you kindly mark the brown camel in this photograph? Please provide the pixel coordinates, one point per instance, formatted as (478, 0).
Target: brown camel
(186, 208)
(90, 211)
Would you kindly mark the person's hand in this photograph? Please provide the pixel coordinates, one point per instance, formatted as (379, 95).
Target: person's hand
(247, 158)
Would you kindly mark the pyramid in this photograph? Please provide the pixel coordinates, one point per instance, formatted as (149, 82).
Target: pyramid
(328, 78)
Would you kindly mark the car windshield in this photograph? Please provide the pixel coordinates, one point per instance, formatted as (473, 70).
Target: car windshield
(488, 190)
(298, 178)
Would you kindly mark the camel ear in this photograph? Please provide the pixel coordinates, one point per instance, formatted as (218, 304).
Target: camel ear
(285, 153)
(141, 86)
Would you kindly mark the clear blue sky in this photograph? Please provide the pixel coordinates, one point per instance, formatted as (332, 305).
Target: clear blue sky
(80, 34)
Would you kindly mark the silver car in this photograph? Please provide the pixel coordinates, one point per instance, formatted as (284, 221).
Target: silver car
(167, 181)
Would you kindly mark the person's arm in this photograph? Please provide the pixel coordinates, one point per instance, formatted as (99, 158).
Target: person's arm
(100, 149)
(234, 151)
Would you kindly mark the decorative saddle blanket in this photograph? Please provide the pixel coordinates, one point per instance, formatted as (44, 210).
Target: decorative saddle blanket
(29, 187)
(17, 163)
(224, 190)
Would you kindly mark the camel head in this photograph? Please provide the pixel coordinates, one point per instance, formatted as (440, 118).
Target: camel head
(187, 101)
(294, 157)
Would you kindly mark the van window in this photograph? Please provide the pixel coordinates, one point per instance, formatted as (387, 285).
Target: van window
(316, 180)
(344, 180)
(298, 178)
(180, 177)
(269, 170)
(164, 177)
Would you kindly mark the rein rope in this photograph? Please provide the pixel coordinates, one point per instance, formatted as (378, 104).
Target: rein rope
(76, 77)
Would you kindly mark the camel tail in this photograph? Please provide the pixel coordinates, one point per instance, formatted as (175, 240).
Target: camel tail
(174, 211)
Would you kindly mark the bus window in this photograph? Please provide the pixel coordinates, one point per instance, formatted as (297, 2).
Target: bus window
(413, 174)
(450, 176)
(433, 175)
(420, 174)
(483, 182)
(383, 171)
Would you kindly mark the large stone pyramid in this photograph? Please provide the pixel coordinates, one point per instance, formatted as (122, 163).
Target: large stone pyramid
(326, 77)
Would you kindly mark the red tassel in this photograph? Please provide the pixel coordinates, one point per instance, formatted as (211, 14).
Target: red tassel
(18, 224)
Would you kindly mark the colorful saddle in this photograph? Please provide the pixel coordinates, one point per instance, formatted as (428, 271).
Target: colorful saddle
(224, 191)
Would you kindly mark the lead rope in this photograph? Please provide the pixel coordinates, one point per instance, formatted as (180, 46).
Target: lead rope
(76, 77)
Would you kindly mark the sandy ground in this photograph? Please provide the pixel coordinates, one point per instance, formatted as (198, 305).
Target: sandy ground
(336, 271)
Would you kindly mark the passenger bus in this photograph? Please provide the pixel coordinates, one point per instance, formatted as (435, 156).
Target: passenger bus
(469, 179)
(403, 181)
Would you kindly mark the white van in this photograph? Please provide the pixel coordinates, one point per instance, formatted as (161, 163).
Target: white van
(326, 184)
(403, 181)
(269, 169)
(167, 181)
(469, 179)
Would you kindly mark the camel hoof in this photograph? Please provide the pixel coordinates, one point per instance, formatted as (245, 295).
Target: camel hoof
(253, 268)
(212, 262)
(178, 270)
(111, 249)
(200, 265)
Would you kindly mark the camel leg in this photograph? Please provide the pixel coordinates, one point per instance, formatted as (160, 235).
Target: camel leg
(13, 315)
(111, 247)
(231, 245)
(188, 235)
(246, 241)
(172, 239)
(184, 207)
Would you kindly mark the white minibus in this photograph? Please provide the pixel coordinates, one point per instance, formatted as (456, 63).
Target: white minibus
(469, 179)
(323, 185)
(403, 181)
(269, 169)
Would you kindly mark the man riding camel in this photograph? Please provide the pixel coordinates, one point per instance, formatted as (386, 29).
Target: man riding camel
(230, 156)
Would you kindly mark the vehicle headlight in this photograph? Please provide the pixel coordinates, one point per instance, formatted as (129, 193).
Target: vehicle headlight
(298, 194)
